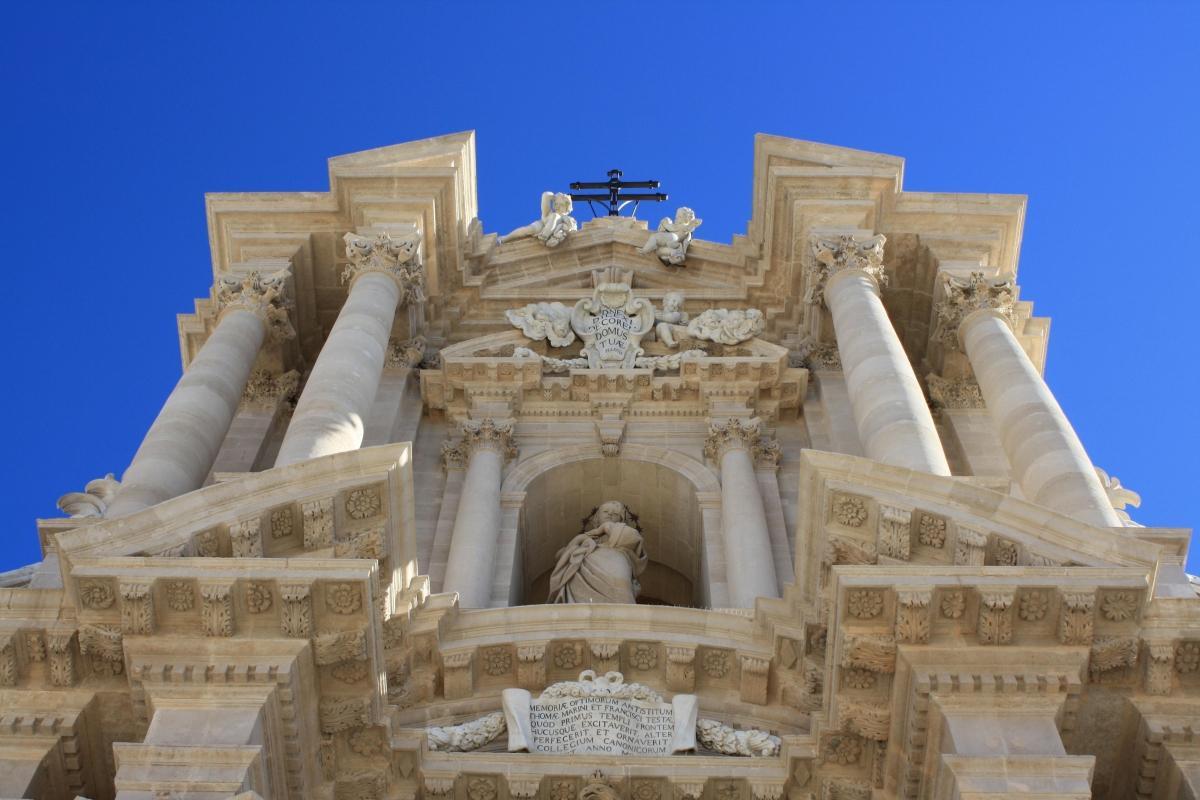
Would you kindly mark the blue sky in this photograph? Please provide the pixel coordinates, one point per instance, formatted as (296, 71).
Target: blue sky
(121, 116)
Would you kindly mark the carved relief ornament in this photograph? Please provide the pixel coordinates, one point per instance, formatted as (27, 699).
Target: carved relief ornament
(397, 258)
(832, 254)
(961, 297)
(263, 296)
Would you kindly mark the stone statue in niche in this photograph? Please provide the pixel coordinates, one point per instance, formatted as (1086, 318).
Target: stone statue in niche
(612, 323)
(670, 319)
(541, 321)
(601, 564)
(671, 240)
(556, 222)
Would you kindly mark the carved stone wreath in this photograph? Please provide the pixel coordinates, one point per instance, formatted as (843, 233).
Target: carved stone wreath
(932, 532)
(180, 596)
(864, 604)
(343, 598)
(1187, 657)
(953, 605)
(716, 663)
(281, 523)
(1119, 606)
(644, 656)
(258, 598)
(96, 595)
(567, 656)
(363, 503)
(850, 511)
(1033, 606)
(497, 661)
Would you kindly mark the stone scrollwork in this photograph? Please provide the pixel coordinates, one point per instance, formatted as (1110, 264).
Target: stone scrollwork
(486, 433)
(466, 736)
(671, 239)
(398, 258)
(727, 326)
(544, 321)
(831, 254)
(963, 296)
(92, 501)
(721, 738)
(747, 434)
(554, 225)
(612, 323)
(262, 295)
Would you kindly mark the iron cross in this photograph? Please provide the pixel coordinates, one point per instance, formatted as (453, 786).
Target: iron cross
(614, 200)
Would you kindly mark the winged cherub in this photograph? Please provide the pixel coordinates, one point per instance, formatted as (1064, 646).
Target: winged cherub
(555, 224)
(670, 241)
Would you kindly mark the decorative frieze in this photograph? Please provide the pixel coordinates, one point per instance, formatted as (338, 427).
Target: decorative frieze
(103, 645)
(970, 547)
(317, 521)
(864, 603)
(295, 612)
(995, 616)
(363, 503)
(96, 594)
(137, 608)
(265, 388)
(531, 664)
(912, 615)
(1160, 667)
(963, 296)
(8, 658)
(742, 434)
(338, 646)
(343, 598)
(895, 531)
(405, 354)
(398, 258)
(216, 608)
(876, 653)
(181, 595)
(755, 673)
(606, 655)
(245, 538)
(458, 674)
(1076, 617)
(259, 598)
(832, 254)
(681, 671)
(343, 713)
(61, 644)
(868, 720)
(932, 531)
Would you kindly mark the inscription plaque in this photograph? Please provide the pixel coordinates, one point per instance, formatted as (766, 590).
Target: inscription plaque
(599, 714)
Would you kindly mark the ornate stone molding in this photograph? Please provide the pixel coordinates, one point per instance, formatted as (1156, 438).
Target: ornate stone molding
(399, 259)
(944, 393)
(744, 434)
(406, 353)
(815, 355)
(266, 388)
(263, 296)
(832, 254)
(963, 296)
(485, 434)
(912, 615)
(92, 501)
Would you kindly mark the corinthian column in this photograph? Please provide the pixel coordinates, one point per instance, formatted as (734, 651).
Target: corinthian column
(181, 445)
(749, 564)
(1047, 459)
(893, 420)
(470, 566)
(383, 272)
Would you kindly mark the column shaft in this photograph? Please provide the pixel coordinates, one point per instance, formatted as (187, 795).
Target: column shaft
(181, 445)
(330, 413)
(749, 564)
(893, 419)
(470, 565)
(1046, 456)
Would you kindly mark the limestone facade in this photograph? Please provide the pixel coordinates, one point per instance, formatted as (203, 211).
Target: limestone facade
(876, 552)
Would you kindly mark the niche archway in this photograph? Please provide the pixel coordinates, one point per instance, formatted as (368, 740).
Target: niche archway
(676, 498)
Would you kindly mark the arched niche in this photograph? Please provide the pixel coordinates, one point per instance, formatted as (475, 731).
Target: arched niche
(676, 498)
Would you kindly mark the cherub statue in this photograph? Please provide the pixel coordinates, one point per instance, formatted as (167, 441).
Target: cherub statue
(670, 241)
(670, 319)
(555, 224)
(544, 321)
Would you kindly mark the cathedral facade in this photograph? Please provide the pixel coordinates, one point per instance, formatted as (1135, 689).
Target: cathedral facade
(600, 510)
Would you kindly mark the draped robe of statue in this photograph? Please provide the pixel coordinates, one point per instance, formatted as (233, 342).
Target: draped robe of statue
(601, 564)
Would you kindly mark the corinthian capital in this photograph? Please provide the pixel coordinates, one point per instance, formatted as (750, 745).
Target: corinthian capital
(831, 254)
(485, 434)
(398, 258)
(963, 296)
(262, 295)
(744, 434)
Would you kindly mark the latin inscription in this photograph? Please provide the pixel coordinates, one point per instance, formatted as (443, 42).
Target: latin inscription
(601, 725)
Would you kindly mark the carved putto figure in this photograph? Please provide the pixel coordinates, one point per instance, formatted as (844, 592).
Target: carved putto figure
(727, 326)
(541, 321)
(556, 222)
(670, 319)
(670, 241)
(602, 563)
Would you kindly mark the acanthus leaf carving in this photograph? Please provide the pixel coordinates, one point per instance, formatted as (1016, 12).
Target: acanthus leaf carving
(868, 651)
(338, 646)
(317, 522)
(895, 532)
(912, 615)
(868, 720)
(245, 538)
(995, 616)
(833, 253)
(963, 296)
(343, 713)
(1075, 622)
(216, 609)
(262, 295)
(398, 258)
(295, 614)
(137, 608)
